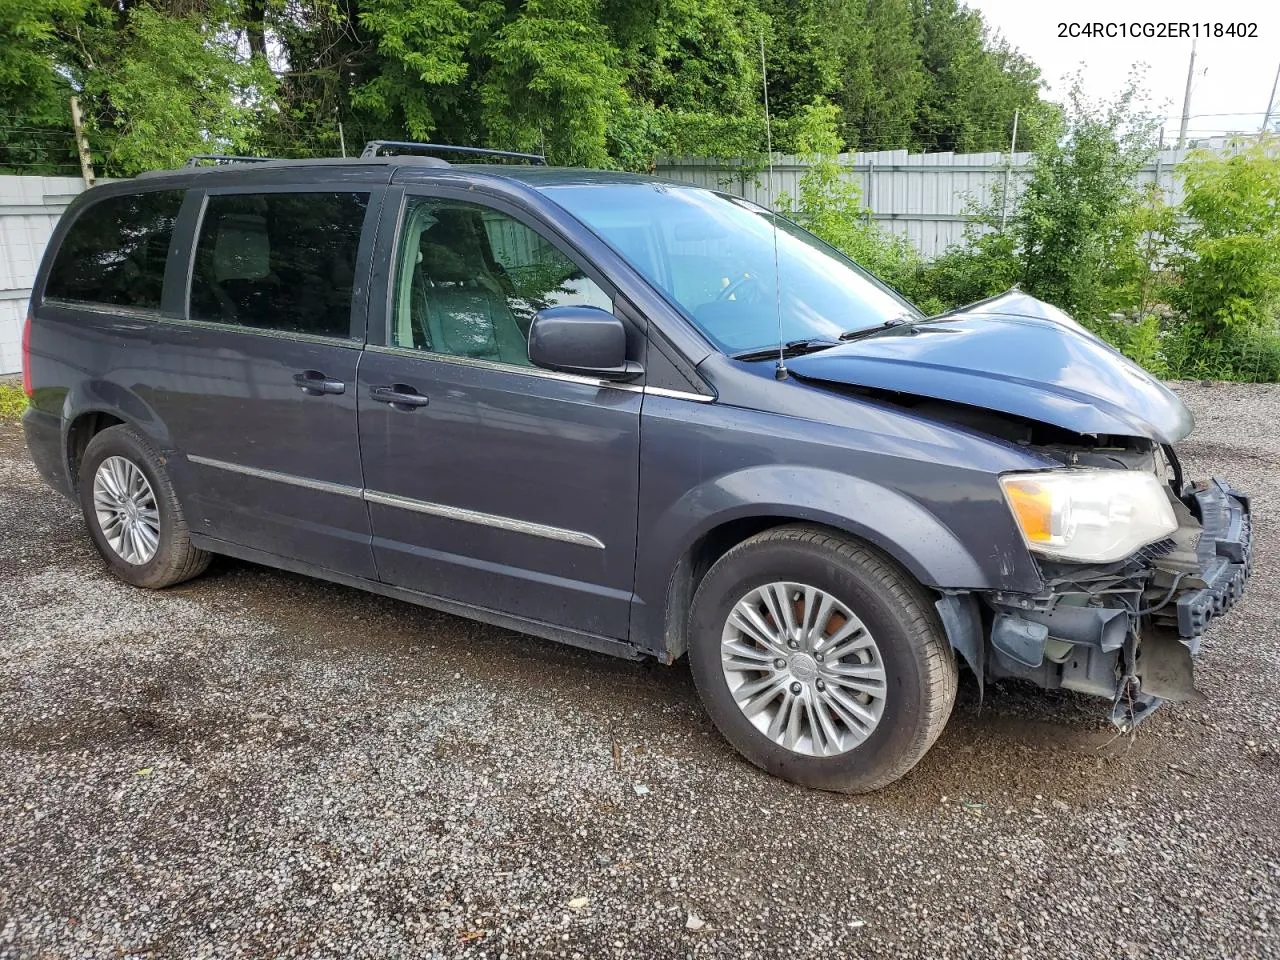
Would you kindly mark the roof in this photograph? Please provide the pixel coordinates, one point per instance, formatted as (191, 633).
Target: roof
(243, 170)
(386, 169)
(540, 177)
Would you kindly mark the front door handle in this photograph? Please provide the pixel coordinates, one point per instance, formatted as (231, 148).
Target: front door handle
(400, 396)
(315, 384)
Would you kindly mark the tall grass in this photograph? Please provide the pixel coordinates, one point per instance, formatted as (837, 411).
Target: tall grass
(12, 402)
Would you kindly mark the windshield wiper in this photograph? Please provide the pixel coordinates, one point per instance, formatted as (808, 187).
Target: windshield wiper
(792, 348)
(862, 332)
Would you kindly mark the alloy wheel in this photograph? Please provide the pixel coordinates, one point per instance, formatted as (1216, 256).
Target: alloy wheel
(803, 669)
(126, 509)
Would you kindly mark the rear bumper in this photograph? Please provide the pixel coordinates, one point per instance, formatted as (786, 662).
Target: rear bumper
(45, 445)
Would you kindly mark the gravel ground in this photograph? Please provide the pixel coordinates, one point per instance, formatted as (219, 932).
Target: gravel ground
(257, 764)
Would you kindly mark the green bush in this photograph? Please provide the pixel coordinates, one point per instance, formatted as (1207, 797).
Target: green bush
(1080, 234)
(830, 206)
(1144, 341)
(1191, 291)
(12, 401)
(1252, 356)
(1228, 259)
(1081, 212)
(988, 264)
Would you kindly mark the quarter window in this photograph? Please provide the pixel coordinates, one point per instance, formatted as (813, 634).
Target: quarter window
(279, 261)
(115, 251)
(470, 280)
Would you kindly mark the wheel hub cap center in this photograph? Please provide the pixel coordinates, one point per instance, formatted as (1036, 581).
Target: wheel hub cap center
(803, 667)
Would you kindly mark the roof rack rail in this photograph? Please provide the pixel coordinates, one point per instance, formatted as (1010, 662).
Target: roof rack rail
(373, 147)
(196, 160)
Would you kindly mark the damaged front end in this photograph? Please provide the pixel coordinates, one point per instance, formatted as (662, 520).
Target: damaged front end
(1126, 630)
(1134, 561)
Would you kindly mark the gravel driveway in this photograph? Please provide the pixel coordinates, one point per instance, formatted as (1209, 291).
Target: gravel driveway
(256, 764)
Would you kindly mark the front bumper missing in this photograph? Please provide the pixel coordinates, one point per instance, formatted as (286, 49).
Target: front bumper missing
(1223, 560)
(1127, 631)
(1225, 555)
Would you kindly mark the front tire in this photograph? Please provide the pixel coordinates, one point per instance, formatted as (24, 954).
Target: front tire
(133, 513)
(821, 660)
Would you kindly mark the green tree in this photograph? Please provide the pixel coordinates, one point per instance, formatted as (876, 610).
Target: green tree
(880, 108)
(975, 84)
(606, 82)
(829, 204)
(1077, 212)
(424, 49)
(1228, 258)
(158, 88)
(34, 110)
(553, 82)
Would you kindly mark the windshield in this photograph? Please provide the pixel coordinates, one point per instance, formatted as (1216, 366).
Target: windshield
(714, 256)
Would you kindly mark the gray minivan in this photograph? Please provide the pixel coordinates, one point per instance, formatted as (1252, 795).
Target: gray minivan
(641, 417)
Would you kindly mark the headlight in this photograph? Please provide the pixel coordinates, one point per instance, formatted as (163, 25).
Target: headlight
(1095, 516)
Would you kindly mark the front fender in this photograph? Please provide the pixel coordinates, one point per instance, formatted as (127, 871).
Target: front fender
(979, 549)
(895, 524)
(903, 528)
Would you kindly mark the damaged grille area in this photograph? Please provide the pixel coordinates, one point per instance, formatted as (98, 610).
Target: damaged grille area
(1128, 631)
(1208, 571)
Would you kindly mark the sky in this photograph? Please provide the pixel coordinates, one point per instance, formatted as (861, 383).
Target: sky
(1233, 77)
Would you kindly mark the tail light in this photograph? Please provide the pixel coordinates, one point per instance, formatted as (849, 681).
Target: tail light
(26, 357)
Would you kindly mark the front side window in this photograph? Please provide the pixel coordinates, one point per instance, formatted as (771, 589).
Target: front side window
(469, 280)
(738, 271)
(279, 261)
(115, 251)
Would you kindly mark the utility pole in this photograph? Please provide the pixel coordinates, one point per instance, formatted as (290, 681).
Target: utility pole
(1186, 98)
(82, 144)
(1270, 103)
(1008, 168)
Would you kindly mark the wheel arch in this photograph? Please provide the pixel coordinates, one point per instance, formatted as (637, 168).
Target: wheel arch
(901, 529)
(95, 406)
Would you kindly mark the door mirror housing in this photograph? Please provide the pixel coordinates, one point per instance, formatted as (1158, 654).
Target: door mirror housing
(586, 341)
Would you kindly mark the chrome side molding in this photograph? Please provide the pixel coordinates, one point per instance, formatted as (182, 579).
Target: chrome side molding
(325, 486)
(485, 519)
(460, 514)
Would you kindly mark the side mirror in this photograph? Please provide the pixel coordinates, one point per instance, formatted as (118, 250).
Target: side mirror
(587, 341)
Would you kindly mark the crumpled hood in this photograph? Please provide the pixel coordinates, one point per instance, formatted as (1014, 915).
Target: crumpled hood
(1013, 354)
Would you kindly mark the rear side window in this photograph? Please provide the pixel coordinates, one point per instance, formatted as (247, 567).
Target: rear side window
(279, 261)
(115, 251)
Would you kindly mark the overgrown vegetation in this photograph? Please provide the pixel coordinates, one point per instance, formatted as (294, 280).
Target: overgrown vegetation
(830, 206)
(1188, 291)
(12, 401)
(1192, 290)
(597, 82)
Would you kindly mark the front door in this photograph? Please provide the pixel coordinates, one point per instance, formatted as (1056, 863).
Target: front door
(257, 385)
(490, 481)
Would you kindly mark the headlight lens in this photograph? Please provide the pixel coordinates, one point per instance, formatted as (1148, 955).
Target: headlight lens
(1094, 516)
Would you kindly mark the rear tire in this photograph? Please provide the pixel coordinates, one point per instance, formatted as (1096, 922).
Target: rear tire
(858, 697)
(133, 513)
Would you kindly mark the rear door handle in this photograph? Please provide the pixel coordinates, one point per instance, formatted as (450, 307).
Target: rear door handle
(316, 384)
(399, 396)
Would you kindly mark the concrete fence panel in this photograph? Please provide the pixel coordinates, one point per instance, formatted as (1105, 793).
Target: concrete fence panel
(29, 209)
